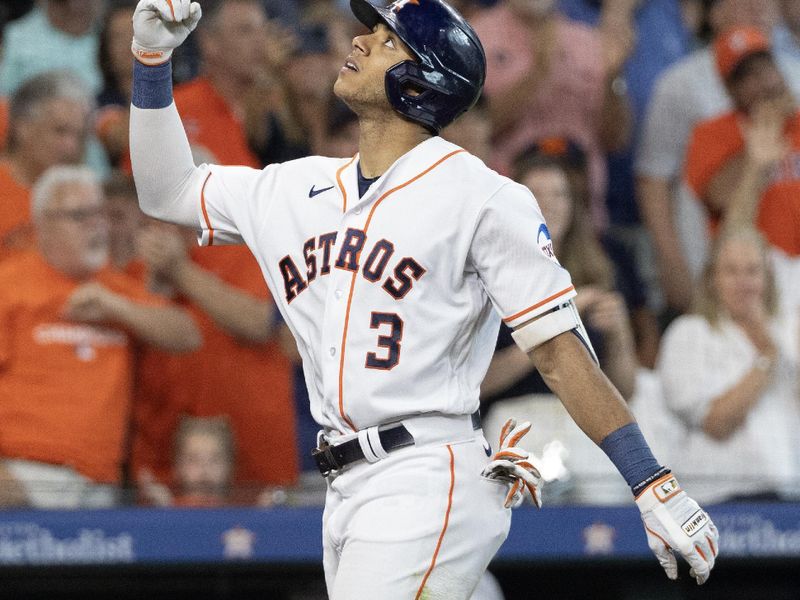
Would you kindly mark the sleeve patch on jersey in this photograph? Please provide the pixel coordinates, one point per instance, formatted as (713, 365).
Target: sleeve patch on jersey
(545, 243)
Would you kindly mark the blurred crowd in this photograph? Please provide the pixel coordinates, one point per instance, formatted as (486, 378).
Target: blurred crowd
(661, 139)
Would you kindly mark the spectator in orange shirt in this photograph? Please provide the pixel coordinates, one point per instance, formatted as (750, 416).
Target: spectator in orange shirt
(749, 157)
(239, 364)
(234, 108)
(241, 371)
(69, 325)
(48, 123)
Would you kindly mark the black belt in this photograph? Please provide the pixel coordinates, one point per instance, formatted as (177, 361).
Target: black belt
(335, 457)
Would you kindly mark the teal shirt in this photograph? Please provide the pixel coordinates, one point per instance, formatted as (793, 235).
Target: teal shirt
(32, 45)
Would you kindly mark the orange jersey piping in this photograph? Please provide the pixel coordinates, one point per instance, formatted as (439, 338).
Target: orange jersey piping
(358, 257)
(538, 304)
(341, 185)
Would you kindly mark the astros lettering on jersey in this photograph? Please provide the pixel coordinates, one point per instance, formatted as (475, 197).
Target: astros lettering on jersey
(392, 311)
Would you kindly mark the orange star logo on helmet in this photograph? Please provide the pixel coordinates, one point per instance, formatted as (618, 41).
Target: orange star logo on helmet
(398, 4)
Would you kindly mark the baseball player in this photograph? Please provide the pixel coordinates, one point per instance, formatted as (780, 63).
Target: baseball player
(392, 269)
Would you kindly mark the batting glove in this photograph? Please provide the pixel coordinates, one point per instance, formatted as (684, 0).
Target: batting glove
(674, 522)
(160, 26)
(513, 465)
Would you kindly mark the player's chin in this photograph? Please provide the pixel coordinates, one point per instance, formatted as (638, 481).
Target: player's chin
(346, 91)
(340, 86)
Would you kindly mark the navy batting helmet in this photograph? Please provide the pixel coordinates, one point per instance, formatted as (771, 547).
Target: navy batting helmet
(449, 76)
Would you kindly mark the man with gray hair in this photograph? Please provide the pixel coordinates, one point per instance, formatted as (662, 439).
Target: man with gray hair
(66, 359)
(48, 125)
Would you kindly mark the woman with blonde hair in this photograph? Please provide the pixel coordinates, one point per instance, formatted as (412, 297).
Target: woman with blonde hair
(729, 371)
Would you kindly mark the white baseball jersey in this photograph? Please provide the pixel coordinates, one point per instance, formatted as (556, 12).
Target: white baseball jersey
(393, 297)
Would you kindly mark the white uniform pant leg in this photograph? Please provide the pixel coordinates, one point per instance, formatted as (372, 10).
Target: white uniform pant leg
(330, 545)
(422, 523)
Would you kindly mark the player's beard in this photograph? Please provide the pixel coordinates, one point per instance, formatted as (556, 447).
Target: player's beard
(368, 102)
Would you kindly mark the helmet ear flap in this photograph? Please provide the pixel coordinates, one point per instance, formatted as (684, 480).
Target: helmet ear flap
(412, 95)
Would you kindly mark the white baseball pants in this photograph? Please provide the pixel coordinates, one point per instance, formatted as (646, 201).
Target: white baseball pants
(421, 524)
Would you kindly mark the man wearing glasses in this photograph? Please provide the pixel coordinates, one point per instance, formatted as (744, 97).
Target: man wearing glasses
(70, 325)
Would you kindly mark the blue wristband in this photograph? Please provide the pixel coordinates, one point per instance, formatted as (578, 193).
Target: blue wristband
(628, 450)
(152, 86)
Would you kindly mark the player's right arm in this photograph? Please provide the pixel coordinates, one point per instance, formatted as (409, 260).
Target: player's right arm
(167, 181)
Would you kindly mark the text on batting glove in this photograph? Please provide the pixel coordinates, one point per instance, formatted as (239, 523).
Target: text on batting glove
(160, 26)
(513, 464)
(675, 522)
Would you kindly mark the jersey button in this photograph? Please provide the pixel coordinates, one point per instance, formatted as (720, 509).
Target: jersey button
(338, 294)
(357, 211)
(332, 351)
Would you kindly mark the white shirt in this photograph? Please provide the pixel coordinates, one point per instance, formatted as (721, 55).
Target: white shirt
(698, 363)
(394, 297)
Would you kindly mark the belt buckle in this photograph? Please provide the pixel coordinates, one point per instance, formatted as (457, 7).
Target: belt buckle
(323, 456)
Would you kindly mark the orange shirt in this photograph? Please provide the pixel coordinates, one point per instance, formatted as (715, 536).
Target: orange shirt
(16, 230)
(252, 384)
(210, 123)
(716, 141)
(64, 387)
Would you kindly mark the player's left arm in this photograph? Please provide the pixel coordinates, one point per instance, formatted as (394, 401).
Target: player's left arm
(672, 520)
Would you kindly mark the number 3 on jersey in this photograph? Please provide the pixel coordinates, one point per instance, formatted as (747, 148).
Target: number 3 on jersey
(391, 342)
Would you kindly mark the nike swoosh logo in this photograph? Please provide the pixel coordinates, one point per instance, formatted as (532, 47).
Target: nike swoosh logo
(312, 192)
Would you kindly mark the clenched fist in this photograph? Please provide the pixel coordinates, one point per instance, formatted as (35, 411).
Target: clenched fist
(160, 26)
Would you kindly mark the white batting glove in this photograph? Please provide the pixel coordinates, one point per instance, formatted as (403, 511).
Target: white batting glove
(675, 522)
(513, 465)
(160, 26)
